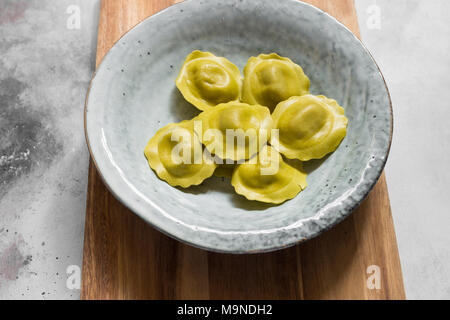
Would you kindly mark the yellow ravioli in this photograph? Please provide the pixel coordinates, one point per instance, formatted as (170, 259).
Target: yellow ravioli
(309, 126)
(175, 154)
(234, 130)
(270, 79)
(206, 80)
(268, 179)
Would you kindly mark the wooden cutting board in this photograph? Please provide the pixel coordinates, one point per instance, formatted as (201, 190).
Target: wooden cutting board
(124, 258)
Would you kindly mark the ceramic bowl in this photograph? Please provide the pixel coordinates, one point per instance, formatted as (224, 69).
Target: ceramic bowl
(133, 94)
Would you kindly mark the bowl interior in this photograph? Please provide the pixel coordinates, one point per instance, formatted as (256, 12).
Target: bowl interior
(133, 95)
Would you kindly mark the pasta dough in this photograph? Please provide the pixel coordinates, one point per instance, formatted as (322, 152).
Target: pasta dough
(283, 183)
(206, 80)
(270, 79)
(166, 155)
(235, 131)
(309, 126)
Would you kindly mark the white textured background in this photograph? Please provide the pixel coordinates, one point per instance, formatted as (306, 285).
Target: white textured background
(413, 51)
(45, 70)
(44, 73)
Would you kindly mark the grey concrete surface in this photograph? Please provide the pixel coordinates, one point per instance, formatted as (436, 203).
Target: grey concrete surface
(45, 68)
(44, 73)
(412, 48)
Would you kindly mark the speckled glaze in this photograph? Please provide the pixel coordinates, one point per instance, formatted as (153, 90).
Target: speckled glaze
(133, 94)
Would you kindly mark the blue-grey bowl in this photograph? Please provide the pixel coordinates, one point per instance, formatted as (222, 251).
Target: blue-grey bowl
(133, 94)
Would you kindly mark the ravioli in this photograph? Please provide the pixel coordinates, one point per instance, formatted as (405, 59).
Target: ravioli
(175, 154)
(234, 135)
(270, 79)
(235, 131)
(309, 126)
(206, 80)
(269, 180)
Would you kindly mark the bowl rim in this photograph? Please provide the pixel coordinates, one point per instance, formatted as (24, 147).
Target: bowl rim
(321, 228)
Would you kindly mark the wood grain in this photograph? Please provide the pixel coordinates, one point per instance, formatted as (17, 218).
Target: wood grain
(124, 258)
